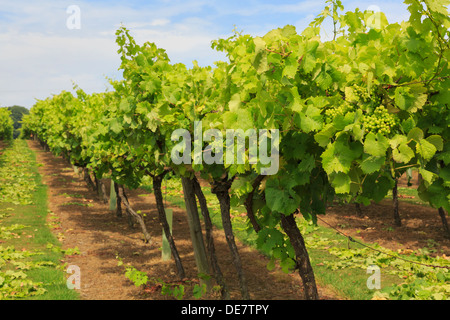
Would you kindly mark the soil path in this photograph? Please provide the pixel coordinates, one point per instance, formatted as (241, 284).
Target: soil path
(421, 226)
(85, 222)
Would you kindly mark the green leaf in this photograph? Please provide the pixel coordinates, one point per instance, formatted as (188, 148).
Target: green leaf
(242, 119)
(428, 176)
(415, 134)
(115, 126)
(270, 265)
(139, 278)
(309, 63)
(350, 95)
(376, 188)
(311, 120)
(199, 290)
(290, 67)
(444, 174)
(323, 137)
(280, 197)
(425, 149)
(403, 154)
(372, 164)
(341, 182)
(410, 98)
(397, 140)
(124, 105)
(339, 156)
(437, 141)
(376, 145)
(235, 102)
(439, 6)
(260, 60)
(287, 265)
(408, 125)
(151, 86)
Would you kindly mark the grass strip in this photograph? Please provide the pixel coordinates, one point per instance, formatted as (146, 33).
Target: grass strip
(31, 253)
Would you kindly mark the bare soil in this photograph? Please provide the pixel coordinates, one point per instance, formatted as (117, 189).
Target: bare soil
(421, 226)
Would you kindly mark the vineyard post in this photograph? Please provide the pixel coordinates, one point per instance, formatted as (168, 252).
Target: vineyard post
(112, 197)
(195, 229)
(166, 253)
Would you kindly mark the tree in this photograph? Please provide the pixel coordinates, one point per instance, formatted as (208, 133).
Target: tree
(17, 113)
(6, 124)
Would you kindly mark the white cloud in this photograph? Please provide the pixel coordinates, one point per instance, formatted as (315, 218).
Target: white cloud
(159, 22)
(33, 64)
(40, 56)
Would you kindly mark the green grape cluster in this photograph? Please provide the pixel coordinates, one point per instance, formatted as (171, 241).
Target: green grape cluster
(380, 121)
(341, 110)
(361, 93)
(374, 97)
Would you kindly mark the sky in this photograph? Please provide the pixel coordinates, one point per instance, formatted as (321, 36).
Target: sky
(48, 45)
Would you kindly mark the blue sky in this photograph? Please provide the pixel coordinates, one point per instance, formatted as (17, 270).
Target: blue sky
(40, 56)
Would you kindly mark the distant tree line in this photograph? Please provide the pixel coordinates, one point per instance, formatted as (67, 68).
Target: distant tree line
(16, 114)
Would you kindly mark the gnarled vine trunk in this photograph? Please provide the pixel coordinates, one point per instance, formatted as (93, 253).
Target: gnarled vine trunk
(303, 263)
(248, 203)
(118, 201)
(157, 181)
(87, 178)
(397, 220)
(134, 214)
(220, 189)
(210, 240)
(441, 212)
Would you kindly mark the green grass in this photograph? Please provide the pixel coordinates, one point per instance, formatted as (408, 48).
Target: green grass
(350, 283)
(36, 236)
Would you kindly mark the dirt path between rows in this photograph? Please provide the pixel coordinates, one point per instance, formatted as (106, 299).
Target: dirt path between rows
(87, 223)
(421, 226)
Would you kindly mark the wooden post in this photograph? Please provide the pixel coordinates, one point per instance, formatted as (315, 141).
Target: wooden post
(201, 258)
(112, 197)
(166, 251)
